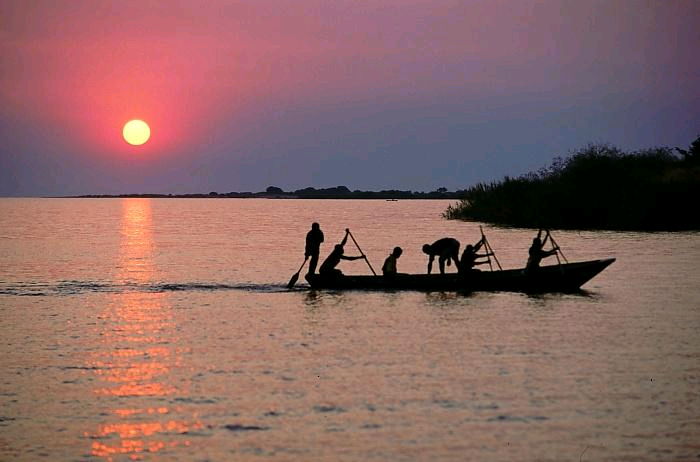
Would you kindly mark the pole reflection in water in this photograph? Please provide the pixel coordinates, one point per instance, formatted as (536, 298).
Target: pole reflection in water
(138, 362)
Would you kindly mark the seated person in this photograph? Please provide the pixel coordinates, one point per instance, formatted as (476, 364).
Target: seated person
(470, 257)
(536, 252)
(389, 267)
(328, 267)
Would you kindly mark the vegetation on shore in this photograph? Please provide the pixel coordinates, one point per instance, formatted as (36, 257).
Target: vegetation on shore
(338, 192)
(598, 187)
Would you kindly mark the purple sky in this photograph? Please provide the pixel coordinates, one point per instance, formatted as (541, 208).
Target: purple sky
(382, 94)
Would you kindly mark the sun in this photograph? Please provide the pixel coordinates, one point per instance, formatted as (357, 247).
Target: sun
(136, 132)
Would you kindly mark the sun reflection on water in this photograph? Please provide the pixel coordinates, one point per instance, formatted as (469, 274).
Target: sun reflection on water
(137, 363)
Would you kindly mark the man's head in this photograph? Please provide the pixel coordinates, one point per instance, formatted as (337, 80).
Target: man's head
(426, 248)
(397, 252)
(315, 226)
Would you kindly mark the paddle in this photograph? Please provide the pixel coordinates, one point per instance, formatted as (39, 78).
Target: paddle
(358, 248)
(295, 277)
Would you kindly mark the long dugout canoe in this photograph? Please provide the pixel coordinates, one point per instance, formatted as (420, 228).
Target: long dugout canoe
(568, 277)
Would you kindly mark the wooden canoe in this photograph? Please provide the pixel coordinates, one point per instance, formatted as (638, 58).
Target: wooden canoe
(568, 277)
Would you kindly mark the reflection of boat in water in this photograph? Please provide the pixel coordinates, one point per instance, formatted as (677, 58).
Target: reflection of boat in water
(566, 277)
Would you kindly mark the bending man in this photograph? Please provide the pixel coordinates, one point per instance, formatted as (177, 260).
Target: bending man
(446, 249)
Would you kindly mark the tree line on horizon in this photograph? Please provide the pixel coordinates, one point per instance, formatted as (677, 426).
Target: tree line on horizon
(597, 187)
(336, 192)
(343, 192)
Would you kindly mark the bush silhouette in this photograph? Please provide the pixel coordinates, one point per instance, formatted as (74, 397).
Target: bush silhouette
(598, 187)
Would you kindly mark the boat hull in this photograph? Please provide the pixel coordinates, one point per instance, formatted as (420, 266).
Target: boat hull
(567, 277)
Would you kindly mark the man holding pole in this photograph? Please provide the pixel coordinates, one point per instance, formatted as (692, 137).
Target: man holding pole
(536, 252)
(470, 258)
(328, 267)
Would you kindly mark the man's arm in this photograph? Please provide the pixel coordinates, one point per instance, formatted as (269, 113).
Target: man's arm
(345, 257)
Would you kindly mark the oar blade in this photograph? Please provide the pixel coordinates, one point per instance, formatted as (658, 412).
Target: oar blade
(293, 281)
(294, 278)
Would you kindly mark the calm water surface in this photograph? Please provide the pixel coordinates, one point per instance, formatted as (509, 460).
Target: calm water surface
(141, 329)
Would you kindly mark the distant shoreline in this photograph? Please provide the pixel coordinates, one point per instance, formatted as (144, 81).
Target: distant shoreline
(339, 192)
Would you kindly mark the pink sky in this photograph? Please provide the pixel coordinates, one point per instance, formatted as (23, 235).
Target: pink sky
(371, 95)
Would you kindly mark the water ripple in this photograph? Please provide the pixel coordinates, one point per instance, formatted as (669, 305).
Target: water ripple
(243, 428)
(67, 288)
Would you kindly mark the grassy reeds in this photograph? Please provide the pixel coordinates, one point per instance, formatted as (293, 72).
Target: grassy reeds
(598, 187)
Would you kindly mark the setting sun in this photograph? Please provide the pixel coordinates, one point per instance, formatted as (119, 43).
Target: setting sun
(136, 132)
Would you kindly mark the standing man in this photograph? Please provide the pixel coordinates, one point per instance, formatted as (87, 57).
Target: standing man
(446, 249)
(313, 246)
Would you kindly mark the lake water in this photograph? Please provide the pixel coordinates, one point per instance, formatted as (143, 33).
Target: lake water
(162, 329)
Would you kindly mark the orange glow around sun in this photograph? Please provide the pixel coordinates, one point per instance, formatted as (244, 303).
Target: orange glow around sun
(136, 132)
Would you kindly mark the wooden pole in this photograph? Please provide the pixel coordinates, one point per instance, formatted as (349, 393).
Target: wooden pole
(361, 252)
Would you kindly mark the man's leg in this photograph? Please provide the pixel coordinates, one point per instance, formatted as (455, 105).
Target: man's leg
(313, 263)
(455, 257)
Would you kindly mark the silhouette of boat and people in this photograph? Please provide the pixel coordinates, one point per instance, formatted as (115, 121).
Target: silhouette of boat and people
(446, 250)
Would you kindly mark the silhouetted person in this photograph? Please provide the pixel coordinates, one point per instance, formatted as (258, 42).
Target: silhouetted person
(389, 267)
(470, 257)
(313, 246)
(537, 253)
(446, 249)
(328, 267)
